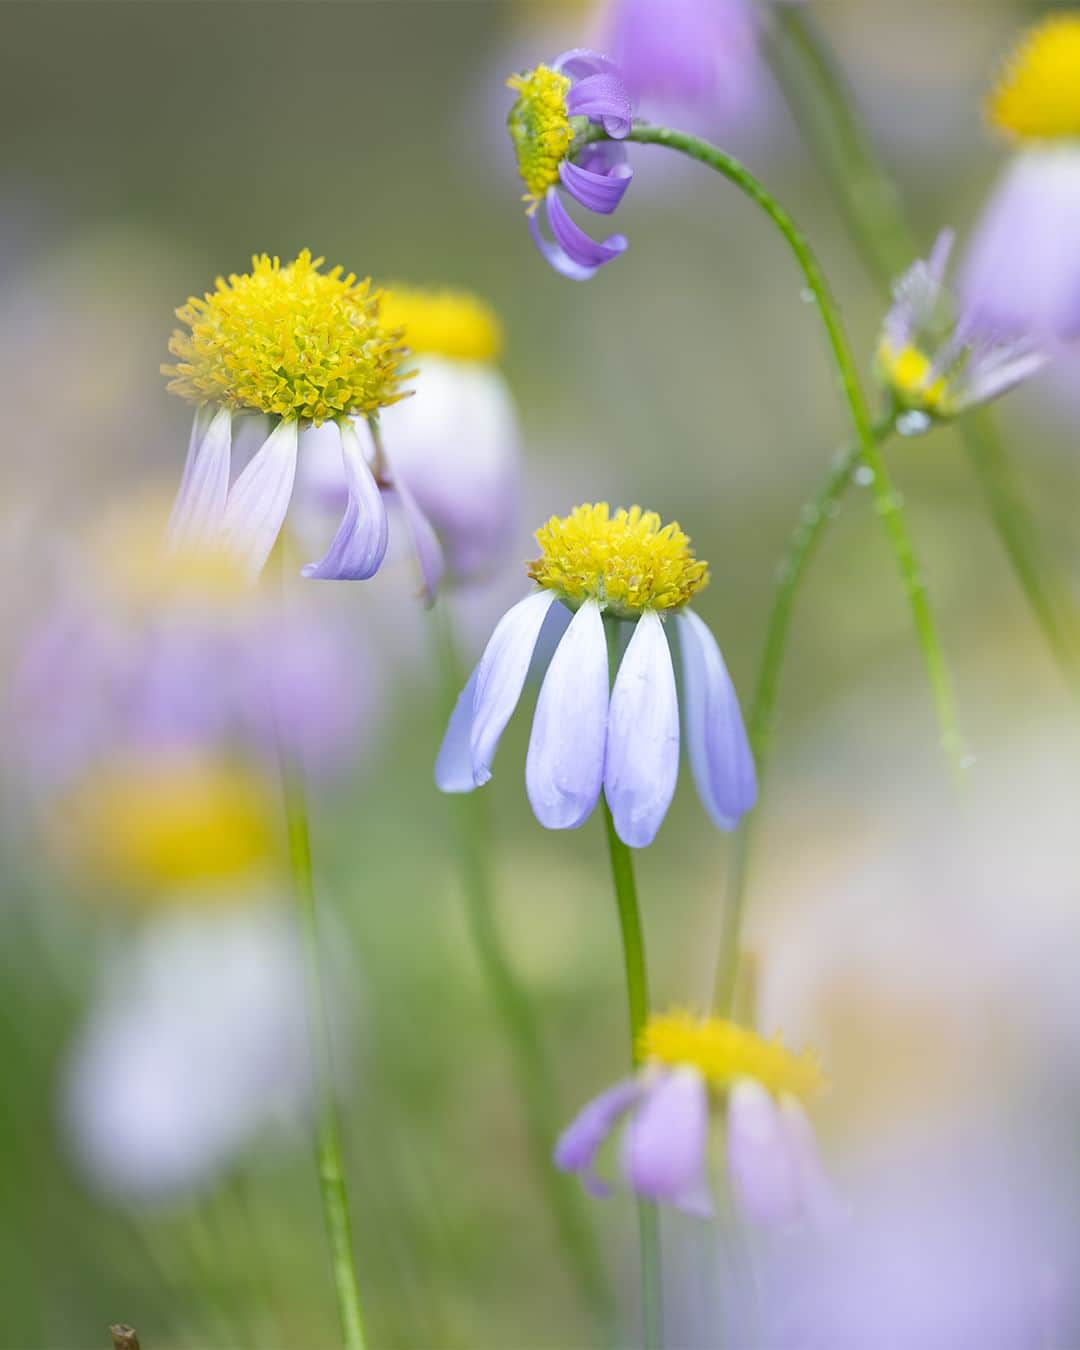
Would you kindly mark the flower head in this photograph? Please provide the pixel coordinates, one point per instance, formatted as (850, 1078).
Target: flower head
(443, 322)
(554, 106)
(292, 342)
(933, 366)
(627, 562)
(589, 733)
(689, 1063)
(1037, 96)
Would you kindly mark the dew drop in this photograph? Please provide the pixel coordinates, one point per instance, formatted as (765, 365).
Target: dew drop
(913, 423)
(807, 296)
(863, 475)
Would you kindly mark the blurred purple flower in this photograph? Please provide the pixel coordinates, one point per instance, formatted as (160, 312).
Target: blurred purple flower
(554, 105)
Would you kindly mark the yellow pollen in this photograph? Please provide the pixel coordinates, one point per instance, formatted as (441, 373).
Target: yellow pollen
(907, 373)
(723, 1053)
(541, 129)
(158, 825)
(628, 561)
(449, 323)
(1037, 96)
(291, 341)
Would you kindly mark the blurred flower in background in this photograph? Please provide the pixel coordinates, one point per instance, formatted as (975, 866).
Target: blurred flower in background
(455, 443)
(1022, 272)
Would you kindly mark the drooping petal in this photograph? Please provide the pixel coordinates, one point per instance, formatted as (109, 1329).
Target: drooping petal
(500, 677)
(200, 503)
(425, 542)
(597, 191)
(359, 546)
(760, 1162)
(574, 242)
(256, 505)
(665, 1147)
(580, 1142)
(556, 257)
(580, 62)
(565, 764)
(454, 765)
(818, 1199)
(603, 98)
(641, 765)
(719, 750)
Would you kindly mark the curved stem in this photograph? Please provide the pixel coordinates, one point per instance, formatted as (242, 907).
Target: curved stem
(887, 500)
(792, 570)
(824, 109)
(536, 1082)
(335, 1198)
(637, 992)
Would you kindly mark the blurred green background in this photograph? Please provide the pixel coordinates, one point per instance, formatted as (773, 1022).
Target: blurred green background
(149, 147)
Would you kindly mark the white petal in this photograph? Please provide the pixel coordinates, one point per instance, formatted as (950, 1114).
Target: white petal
(426, 544)
(454, 766)
(760, 1162)
(358, 548)
(256, 506)
(200, 503)
(500, 676)
(641, 764)
(720, 755)
(565, 765)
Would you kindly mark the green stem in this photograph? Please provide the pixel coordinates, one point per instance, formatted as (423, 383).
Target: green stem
(637, 992)
(825, 111)
(800, 550)
(536, 1081)
(335, 1198)
(887, 499)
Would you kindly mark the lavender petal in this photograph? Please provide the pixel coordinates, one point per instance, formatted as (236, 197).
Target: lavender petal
(580, 1142)
(665, 1147)
(597, 191)
(358, 548)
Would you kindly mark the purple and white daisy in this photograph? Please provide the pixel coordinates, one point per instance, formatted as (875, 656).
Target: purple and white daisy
(934, 366)
(598, 574)
(555, 105)
(690, 1064)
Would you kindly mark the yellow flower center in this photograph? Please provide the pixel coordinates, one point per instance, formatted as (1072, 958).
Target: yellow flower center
(157, 825)
(1037, 96)
(540, 127)
(443, 323)
(291, 341)
(628, 561)
(907, 373)
(723, 1053)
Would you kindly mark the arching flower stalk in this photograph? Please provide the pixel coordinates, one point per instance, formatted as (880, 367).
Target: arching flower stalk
(628, 574)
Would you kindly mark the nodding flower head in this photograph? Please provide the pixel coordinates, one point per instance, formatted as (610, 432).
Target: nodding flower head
(290, 341)
(627, 562)
(454, 324)
(605, 578)
(552, 112)
(935, 366)
(1037, 96)
(688, 1066)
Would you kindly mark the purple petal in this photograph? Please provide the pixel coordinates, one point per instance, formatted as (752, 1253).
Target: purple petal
(557, 257)
(565, 764)
(580, 1142)
(603, 98)
(720, 754)
(818, 1199)
(359, 546)
(426, 544)
(760, 1161)
(454, 766)
(500, 677)
(666, 1144)
(580, 62)
(641, 764)
(199, 508)
(573, 240)
(256, 506)
(600, 192)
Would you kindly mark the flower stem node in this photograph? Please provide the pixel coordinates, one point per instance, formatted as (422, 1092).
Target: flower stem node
(592, 731)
